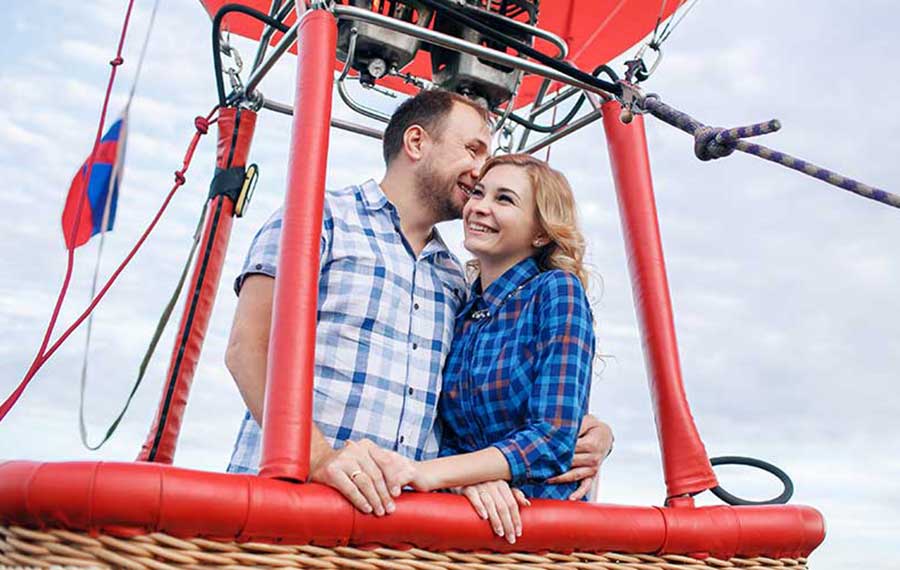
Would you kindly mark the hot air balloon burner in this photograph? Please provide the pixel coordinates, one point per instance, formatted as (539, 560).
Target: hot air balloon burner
(378, 50)
(473, 76)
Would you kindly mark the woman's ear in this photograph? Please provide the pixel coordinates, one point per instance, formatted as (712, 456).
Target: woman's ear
(415, 141)
(540, 241)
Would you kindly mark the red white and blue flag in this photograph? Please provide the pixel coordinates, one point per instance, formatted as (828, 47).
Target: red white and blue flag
(86, 216)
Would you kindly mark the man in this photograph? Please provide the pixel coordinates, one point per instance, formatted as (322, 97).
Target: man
(388, 292)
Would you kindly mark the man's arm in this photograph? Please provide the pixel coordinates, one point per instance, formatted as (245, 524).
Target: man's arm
(248, 344)
(352, 471)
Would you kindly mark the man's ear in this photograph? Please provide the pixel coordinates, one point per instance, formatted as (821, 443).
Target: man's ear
(415, 142)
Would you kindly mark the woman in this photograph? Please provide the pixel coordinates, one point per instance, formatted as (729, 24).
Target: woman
(517, 378)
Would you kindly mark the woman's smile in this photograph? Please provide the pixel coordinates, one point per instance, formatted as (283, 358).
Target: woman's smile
(480, 228)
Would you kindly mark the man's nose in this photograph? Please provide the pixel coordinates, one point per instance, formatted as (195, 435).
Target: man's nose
(477, 163)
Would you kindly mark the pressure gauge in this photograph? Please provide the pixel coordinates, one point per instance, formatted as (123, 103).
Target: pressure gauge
(377, 68)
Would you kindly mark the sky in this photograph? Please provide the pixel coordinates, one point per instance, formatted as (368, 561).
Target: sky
(784, 288)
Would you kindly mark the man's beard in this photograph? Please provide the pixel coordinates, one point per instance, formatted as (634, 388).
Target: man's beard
(437, 193)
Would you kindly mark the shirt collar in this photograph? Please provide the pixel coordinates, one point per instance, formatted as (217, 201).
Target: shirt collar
(372, 195)
(375, 199)
(507, 284)
(435, 244)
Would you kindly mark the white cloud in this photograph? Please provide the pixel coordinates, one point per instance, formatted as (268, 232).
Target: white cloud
(20, 137)
(85, 52)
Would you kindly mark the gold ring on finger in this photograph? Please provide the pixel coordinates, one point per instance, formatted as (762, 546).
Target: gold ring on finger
(355, 474)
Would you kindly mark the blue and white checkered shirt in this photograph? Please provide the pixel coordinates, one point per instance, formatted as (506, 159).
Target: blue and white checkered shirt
(385, 322)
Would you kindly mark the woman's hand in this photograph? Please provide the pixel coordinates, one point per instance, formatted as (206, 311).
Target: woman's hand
(496, 502)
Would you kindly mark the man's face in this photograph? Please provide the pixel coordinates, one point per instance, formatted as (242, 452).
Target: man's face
(448, 171)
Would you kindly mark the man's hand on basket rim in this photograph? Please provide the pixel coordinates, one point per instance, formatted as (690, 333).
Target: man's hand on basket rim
(355, 473)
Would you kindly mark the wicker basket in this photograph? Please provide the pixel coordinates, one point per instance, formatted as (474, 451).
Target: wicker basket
(27, 548)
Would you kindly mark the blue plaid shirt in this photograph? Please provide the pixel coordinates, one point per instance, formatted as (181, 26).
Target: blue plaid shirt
(518, 375)
(385, 322)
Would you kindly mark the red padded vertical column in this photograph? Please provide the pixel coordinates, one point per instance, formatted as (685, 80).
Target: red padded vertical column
(288, 406)
(236, 127)
(685, 463)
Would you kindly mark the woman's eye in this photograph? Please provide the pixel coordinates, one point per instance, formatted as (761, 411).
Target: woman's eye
(476, 193)
(505, 198)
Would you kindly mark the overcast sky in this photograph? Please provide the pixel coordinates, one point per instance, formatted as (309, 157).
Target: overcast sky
(784, 288)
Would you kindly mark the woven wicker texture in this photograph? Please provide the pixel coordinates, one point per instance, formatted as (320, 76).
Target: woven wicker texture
(25, 548)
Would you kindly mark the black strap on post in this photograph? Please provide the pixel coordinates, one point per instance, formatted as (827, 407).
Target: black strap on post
(227, 182)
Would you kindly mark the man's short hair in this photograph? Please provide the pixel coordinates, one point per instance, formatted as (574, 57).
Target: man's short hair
(428, 109)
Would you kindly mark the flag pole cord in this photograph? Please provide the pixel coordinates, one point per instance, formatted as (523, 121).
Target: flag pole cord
(140, 63)
(115, 182)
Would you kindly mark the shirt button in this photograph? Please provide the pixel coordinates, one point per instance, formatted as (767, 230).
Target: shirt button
(259, 266)
(402, 439)
(415, 346)
(416, 306)
(410, 391)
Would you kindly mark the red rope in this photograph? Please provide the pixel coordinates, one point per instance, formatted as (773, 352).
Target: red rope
(202, 126)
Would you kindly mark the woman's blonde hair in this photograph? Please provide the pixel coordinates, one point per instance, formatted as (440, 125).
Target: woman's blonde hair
(556, 215)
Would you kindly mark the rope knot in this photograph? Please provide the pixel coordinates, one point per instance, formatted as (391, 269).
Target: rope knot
(706, 147)
(117, 61)
(179, 178)
(202, 124)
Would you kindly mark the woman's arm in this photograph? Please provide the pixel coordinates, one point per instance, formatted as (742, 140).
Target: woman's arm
(486, 464)
(481, 477)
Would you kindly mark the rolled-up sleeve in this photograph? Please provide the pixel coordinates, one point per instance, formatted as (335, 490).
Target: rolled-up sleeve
(262, 257)
(563, 355)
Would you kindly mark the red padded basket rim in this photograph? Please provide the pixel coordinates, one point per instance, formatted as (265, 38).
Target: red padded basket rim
(139, 498)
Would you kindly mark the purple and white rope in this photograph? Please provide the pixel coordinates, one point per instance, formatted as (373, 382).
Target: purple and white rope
(713, 142)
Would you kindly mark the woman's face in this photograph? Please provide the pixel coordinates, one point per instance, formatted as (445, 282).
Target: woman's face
(500, 218)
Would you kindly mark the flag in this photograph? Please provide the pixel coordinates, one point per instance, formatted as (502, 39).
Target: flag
(98, 211)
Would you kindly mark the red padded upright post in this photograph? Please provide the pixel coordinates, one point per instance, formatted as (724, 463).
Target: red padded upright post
(288, 405)
(236, 127)
(685, 463)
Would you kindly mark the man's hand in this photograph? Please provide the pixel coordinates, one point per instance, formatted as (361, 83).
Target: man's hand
(595, 441)
(368, 476)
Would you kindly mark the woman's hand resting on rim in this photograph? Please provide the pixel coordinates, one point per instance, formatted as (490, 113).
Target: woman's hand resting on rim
(499, 504)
